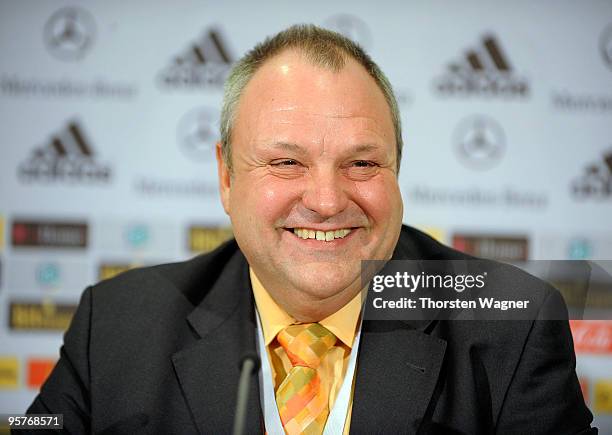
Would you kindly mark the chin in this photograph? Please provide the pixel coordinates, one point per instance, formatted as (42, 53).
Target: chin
(324, 280)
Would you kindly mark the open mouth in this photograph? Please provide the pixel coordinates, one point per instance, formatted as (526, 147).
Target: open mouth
(323, 236)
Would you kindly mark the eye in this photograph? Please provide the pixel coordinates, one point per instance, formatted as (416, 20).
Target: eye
(363, 164)
(361, 170)
(285, 162)
(286, 168)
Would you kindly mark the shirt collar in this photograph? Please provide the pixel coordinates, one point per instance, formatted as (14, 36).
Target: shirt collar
(342, 323)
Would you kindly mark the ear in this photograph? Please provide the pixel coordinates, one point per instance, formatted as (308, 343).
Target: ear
(224, 179)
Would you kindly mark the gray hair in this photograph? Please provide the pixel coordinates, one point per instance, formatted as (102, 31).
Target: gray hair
(320, 46)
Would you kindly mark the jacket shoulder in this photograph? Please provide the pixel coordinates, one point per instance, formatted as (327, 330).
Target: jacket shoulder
(416, 245)
(190, 279)
(509, 281)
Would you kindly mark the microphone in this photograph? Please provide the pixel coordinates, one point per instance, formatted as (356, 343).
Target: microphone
(249, 365)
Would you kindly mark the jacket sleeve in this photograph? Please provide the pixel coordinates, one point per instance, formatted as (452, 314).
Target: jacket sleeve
(544, 396)
(66, 391)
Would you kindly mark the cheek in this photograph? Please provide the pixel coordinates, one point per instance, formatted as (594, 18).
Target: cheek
(380, 198)
(265, 200)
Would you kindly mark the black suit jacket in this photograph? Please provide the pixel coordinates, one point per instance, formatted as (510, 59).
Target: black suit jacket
(157, 350)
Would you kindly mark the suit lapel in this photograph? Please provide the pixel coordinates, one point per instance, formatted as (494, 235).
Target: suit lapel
(209, 368)
(397, 371)
(398, 368)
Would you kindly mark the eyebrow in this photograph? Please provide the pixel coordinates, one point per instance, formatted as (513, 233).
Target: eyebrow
(288, 146)
(299, 149)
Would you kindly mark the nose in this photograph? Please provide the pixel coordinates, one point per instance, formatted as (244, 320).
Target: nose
(325, 193)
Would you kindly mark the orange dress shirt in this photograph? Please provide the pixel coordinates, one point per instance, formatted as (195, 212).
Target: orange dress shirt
(343, 324)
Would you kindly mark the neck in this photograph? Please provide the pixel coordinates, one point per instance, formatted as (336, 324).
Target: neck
(306, 308)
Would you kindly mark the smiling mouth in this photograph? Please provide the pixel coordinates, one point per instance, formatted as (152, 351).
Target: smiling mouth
(323, 236)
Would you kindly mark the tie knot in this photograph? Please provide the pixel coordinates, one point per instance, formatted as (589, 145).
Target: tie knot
(306, 344)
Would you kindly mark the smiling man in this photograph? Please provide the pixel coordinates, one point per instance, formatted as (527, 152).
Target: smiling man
(308, 164)
(311, 187)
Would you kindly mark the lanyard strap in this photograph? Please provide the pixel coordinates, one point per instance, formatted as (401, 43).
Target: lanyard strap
(337, 416)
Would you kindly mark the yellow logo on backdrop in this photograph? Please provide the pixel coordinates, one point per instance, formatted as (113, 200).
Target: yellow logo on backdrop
(435, 232)
(9, 372)
(603, 397)
(36, 316)
(109, 270)
(205, 239)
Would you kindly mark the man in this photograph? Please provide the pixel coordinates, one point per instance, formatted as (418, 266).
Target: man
(308, 165)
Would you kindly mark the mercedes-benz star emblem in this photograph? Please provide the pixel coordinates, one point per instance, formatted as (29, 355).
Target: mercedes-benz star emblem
(69, 33)
(605, 45)
(197, 133)
(480, 142)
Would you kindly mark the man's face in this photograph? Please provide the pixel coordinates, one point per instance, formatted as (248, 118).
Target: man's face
(313, 154)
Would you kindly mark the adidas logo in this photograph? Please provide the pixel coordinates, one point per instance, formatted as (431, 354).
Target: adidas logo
(205, 64)
(67, 157)
(596, 180)
(482, 71)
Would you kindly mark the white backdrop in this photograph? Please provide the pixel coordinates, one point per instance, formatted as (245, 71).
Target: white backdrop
(109, 113)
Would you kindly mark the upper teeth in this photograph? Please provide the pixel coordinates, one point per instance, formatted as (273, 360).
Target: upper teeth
(327, 236)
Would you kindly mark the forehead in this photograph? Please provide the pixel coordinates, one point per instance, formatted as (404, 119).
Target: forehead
(289, 95)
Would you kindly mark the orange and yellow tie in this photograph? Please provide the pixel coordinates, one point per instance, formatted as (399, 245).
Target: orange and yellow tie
(302, 403)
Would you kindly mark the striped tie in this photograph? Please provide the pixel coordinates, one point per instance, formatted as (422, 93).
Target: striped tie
(302, 403)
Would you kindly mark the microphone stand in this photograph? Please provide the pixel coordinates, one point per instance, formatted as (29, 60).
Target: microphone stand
(249, 366)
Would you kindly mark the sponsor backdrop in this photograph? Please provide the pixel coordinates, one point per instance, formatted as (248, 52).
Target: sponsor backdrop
(110, 113)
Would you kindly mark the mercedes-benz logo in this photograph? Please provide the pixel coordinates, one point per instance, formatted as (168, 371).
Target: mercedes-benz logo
(480, 142)
(69, 33)
(605, 45)
(197, 133)
(352, 27)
